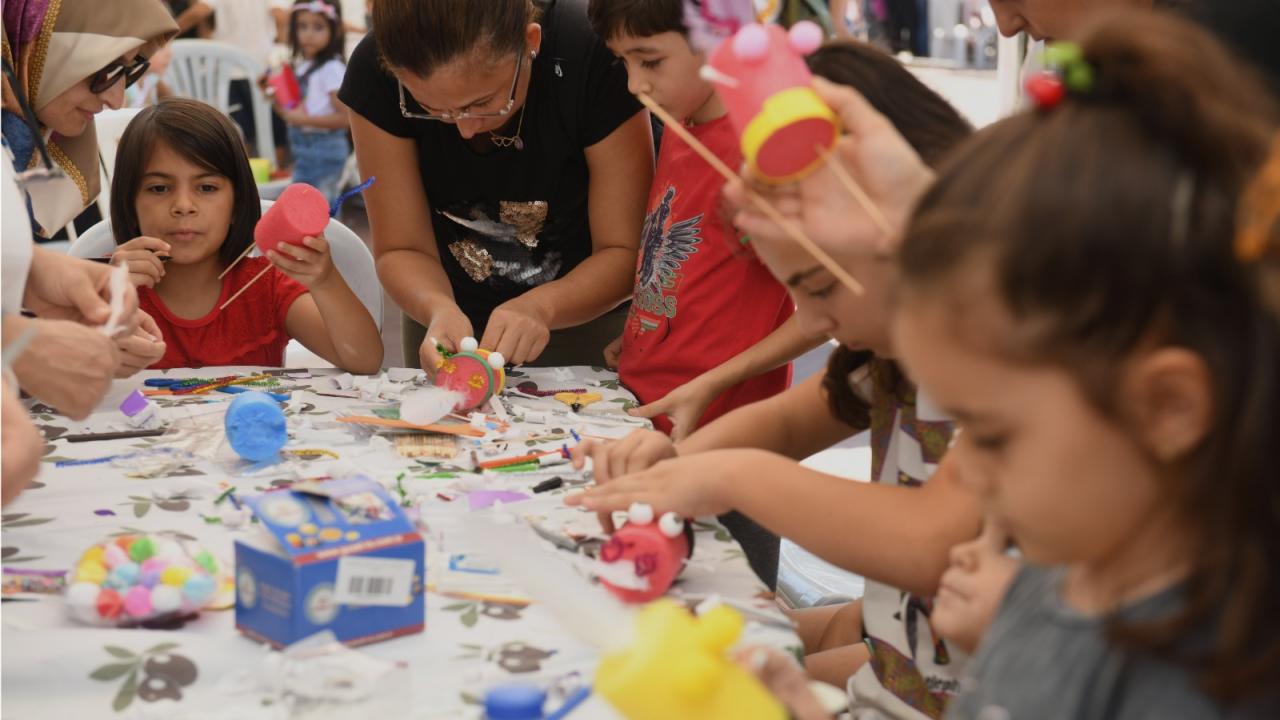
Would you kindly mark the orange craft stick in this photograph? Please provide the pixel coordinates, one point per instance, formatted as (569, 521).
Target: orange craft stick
(466, 430)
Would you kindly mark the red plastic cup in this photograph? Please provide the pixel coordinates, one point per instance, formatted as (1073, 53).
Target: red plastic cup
(285, 85)
(784, 126)
(301, 211)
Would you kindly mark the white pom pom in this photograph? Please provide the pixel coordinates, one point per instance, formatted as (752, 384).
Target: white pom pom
(468, 344)
(670, 524)
(428, 405)
(82, 599)
(496, 360)
(640, 513)
(165, 598)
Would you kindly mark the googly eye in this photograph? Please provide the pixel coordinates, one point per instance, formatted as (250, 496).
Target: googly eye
(640, 513)
(469, 344)
(671, 525)
(496, 360)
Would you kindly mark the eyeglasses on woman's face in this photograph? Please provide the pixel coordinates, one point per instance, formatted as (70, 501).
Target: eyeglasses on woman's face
(104, 79)
(467, 112)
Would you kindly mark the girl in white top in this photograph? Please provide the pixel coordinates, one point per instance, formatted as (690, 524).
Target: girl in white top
(318, 124)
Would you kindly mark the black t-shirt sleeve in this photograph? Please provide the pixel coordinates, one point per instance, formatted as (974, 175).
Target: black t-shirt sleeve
(371, 92)
(607, 103)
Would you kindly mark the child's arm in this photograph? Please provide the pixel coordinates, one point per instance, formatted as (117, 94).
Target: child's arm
(686, 403)
(336, 120)
(330, 320)
(897, 535)
(195, 14)
(795, 423)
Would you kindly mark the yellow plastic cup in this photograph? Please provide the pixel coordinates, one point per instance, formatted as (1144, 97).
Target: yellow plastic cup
(261, 169)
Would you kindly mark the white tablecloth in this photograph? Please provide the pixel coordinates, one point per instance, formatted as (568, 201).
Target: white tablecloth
(54, 667)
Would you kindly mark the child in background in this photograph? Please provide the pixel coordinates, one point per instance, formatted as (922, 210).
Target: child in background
(898, 529)
(708, 331)
(1070, 292)
(183, 181)
(317, 125)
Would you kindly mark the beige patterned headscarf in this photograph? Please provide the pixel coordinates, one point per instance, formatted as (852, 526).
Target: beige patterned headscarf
(53, 45)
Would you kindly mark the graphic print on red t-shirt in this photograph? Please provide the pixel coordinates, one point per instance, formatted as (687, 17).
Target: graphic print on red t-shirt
(665, 249)
(698, 299)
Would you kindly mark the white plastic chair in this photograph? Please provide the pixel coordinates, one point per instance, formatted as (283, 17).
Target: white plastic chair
(204, 69)
(350, 256)
(110, 125)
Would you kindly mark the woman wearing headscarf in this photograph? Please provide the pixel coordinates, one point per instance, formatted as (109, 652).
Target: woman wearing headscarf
(65, 61)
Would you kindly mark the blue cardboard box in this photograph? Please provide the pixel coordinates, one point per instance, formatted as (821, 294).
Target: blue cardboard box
(340, 556)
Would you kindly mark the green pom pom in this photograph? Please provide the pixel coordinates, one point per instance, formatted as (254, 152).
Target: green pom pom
(142, 549)
(1062, 54)
(206, 561)
(1079, 77)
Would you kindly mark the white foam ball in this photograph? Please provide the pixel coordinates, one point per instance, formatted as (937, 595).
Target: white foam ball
(496, 360)
(640, 513)
(671, 525)
(469, 344)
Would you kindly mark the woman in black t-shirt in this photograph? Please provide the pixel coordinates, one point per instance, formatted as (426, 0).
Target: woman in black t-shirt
(513, 170)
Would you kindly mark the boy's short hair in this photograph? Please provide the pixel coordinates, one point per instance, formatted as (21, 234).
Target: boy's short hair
(205, 137)
(637, 18)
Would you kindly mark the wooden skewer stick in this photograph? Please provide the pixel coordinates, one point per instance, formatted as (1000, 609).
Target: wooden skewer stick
(761, 204)
(237, 260)
(877, 217)
(246, 287)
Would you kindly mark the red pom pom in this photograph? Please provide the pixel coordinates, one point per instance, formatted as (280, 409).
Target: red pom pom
(1046, 89)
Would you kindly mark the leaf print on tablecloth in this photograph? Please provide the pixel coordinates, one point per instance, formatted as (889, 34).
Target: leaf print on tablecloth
(17, 520)
(178, 502)
(51, 432)
(470, 612)
(153, 674)
(10, 555)
(517, 657)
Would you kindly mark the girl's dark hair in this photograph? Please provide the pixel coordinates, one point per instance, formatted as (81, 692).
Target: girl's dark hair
(636, 18)
(202, 135)
(419, 36)
(933, 128)
(337, 34)
(1107, 222)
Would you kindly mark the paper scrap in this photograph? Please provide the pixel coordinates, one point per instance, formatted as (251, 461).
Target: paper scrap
(480, 499)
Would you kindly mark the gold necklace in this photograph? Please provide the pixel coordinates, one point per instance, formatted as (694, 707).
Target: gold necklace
(504, 141)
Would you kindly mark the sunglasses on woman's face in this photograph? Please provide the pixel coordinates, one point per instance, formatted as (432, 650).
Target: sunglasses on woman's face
(107, 77)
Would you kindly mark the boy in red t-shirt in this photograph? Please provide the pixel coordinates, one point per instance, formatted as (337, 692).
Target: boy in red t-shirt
(710, 329)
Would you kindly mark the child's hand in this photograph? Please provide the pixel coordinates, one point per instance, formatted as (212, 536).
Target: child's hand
(971, 590)
(684, 406)
(297, 116)
(632, 454)
(690, 486)
(309, 263)
(612, 352)
(782, 677)
(141, 256)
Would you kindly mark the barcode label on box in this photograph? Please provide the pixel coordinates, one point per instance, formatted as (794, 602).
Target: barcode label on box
(374, 581)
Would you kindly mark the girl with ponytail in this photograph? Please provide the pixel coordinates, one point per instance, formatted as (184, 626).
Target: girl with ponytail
(1070, 291)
